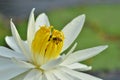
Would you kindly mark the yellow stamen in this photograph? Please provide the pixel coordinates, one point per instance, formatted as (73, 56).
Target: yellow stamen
(47, 45)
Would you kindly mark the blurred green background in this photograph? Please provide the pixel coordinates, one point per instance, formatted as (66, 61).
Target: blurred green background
(102, 27)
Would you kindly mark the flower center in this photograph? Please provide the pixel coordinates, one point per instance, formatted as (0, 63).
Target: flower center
(47, 45)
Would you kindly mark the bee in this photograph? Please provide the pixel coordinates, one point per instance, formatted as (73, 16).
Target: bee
(57, 39)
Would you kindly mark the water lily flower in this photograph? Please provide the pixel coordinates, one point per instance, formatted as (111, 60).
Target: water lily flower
(41, 56)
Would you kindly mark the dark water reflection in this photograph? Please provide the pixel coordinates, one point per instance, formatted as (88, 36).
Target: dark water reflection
(20, 8)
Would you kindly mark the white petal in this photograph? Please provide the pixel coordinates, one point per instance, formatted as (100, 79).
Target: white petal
(5, 52)
(62, 75)
(11, 42)
(83, 54)
(7, 74)
(71, 50)
(52, 64)
(19, 41)
(44, 77)
(41, 20)
(23, 63)
(49, 75)
(28, 49)
(34, 75)
(5, 63)
(20, 76)
(79, 67)
(81, 76)
(72, 30)
(9, 70)
(31, 28)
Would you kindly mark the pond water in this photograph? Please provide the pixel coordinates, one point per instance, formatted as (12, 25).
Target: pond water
(20, 8)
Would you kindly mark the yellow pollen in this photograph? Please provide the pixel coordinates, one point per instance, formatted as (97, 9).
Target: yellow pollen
(47, 45)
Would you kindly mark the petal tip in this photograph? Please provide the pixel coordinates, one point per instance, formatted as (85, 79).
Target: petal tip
(11, 20)
(33, 9)
(6, 38)
(43, 14)
(90, 67)
(11, 23)
(83, 15)
(105, 46)
(32, 12)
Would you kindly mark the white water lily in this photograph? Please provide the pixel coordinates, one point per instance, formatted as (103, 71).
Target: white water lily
(40, 55)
